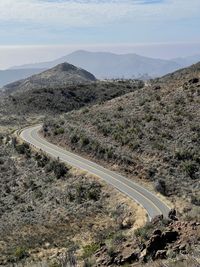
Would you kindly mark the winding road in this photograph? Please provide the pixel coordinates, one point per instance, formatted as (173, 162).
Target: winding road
(151, 203)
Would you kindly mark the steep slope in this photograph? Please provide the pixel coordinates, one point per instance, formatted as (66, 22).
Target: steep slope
(151, 134)
(60, 75)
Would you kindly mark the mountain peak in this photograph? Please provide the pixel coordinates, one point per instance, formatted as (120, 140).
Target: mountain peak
(60, 75)
(64, 67)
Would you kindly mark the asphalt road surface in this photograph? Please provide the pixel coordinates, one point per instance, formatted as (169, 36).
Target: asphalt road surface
(152, 204)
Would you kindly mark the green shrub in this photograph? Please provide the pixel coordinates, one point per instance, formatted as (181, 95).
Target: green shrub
(144, 232)
(21, 253)
(160, 186)
(84, 141)
(42, 160)
(183, 155)
(59, 131)
(60, 169)
(94, 194)
(74, 138)
(190, 169)
(87, 263)
(89, 250)
(23, 149)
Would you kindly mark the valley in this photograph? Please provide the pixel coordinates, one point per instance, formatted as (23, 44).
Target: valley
(146, 131)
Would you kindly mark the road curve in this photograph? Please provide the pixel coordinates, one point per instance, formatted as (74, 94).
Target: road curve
(153, 205)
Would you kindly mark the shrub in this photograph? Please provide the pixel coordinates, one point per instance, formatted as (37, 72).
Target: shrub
(89, 250)
(59, 131)
(87, 263)
(195, 200)
(20, 253)
(59, 169)
(42, 160)
(151, 172)
(23, 149)
(94, 194)
(84, 141)
(183, 155)
(160, 186)
(190, 169)
(144, 232)
(120, 108)
(74, 138)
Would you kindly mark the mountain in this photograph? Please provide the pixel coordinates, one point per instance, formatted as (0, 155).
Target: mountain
(104, 65)
(9, 76)
(60, 89)
(110, 65)
(60, 75)
(187, 61)
(151, 134)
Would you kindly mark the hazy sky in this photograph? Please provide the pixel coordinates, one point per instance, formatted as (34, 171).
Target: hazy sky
(46, 29)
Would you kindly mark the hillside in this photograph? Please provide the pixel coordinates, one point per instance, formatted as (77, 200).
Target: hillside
(60, 75)
(151, 134)
(58, 99)
(46, 208)
(52, 214)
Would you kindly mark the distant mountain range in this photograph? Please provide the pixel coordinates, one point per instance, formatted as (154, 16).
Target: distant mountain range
(12, 75)
(103, 65)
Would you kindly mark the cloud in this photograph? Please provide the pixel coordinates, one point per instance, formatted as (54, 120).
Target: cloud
(91, 13)
(79, 22)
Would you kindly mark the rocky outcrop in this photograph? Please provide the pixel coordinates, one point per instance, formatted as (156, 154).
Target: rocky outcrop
(165, 237)
(172, 215)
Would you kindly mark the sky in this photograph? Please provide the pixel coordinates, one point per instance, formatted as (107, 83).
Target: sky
(37, 30)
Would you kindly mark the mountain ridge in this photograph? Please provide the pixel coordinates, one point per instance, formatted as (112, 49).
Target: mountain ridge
(61, 74)
(111, 65)
(105, 65)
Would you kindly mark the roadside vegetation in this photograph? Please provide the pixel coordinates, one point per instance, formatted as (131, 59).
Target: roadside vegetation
(49, 209)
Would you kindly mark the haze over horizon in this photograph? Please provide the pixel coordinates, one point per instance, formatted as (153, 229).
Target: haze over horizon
(19, 55)
(42, 30)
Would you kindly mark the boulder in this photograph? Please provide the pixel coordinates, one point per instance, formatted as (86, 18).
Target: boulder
(154, 244)
(172, 215)
(127, 256)
(157, 232)
(170, 236)
(157, 219)
(194, 80)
